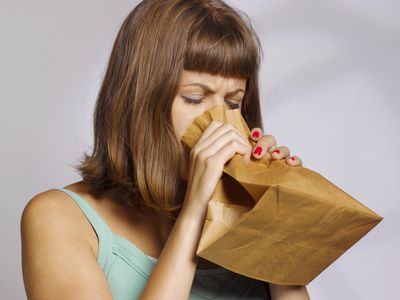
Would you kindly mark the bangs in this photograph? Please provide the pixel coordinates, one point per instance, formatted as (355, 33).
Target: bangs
(220, 47)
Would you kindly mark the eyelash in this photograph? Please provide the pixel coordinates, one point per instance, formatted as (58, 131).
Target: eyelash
(198, 101)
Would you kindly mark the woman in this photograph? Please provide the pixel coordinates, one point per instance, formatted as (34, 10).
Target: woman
(144, 195)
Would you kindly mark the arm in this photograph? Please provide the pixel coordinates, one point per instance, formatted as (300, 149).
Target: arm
(288, 292)
(57, 261)
(179, 253)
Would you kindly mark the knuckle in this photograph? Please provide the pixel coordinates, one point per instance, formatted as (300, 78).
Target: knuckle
(234, 143)
(201, 157)
(210, 162)
(231, 133)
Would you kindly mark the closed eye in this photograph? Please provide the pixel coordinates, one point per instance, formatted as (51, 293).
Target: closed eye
(200, 100)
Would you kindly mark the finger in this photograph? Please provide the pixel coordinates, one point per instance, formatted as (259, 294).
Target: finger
(294, 161)
(228, 150)
(280, 152)
(214, 125)
(263, 146)
(256, 134)
(229, 137)
(218, 133)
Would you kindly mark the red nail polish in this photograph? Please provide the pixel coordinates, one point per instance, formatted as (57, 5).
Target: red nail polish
(256, 134)
(258, 150)
(277, 151)
(293, 158)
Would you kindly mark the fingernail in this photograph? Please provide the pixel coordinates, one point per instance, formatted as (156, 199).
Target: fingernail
(277, 151)
(256, 134)
(293, 158)
(258, 150)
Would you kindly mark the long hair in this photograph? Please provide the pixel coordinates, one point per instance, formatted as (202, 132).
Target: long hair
(135, 151)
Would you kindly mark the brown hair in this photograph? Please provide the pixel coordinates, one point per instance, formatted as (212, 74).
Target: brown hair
(135, 153)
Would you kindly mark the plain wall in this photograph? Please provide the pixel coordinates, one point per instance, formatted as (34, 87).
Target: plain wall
(329, 90)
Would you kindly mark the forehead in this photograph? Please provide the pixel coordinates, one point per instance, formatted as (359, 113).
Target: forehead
(189, 77)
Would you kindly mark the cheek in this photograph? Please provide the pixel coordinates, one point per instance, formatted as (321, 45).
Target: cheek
(182, 117)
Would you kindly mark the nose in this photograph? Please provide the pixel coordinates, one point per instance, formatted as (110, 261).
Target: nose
(218, 100)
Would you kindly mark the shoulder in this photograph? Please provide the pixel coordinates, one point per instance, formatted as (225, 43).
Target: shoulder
(52, 206)
(56, 213)
(53, 200)
(56, 254)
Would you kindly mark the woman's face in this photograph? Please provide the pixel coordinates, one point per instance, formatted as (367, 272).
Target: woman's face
(197, 93)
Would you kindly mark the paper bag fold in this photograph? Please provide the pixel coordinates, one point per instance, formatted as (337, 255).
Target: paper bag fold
(275, 222)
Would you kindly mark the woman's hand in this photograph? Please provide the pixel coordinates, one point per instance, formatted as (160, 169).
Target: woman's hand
(218, 143)
(266, 146)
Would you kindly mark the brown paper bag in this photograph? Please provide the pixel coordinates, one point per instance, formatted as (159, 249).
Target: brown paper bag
(274, 222)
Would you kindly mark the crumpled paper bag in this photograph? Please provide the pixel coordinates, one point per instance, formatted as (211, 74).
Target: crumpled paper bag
(274, 222)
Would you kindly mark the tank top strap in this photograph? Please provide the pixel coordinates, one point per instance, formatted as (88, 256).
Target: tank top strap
(102, 230)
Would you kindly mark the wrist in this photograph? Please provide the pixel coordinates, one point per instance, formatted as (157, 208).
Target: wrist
(283, 292)
(192, 212)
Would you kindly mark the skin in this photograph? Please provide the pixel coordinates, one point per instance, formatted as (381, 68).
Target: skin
(175, 245)
(183, 113)
(209, 91)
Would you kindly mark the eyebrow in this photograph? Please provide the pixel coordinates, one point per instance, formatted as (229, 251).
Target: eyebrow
(209, 90)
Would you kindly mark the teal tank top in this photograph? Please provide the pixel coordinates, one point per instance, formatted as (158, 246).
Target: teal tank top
(127, 268)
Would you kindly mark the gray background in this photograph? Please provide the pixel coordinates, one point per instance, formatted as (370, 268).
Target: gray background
(329, 90)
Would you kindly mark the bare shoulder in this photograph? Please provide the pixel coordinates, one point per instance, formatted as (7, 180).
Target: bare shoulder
(54, 208)
(57, 259)
(50, 205)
